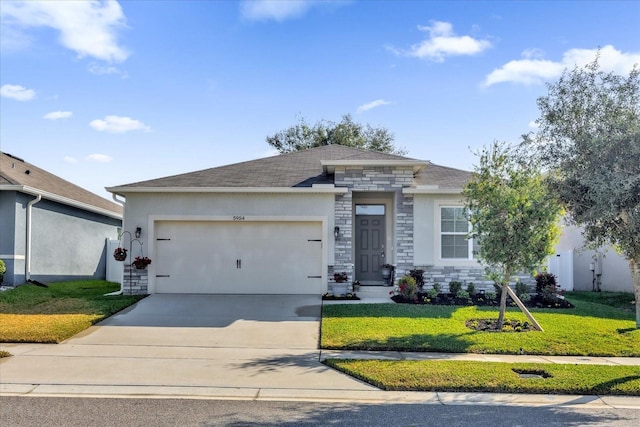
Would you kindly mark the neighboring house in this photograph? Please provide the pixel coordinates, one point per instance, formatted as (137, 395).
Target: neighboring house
(285, 224)
(602, 269)
(50, 229)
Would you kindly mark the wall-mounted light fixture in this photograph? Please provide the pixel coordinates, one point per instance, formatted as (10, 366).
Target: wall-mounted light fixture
(336, 232)
(138, 232)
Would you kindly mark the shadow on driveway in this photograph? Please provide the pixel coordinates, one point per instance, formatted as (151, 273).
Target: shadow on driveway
(215, 311)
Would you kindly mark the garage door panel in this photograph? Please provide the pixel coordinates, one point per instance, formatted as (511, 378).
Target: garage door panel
(238, 258)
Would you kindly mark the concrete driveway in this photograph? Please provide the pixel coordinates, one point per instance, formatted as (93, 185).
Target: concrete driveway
(228, 346)
(237, 321)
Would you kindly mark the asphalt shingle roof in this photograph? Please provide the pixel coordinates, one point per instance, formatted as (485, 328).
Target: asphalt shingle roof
(15, 171)
(297, 169)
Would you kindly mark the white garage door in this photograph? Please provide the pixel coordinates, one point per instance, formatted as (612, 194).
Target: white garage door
(238, 257)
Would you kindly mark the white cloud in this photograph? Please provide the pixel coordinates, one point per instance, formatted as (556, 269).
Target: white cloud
(442, 42)
(90, 28)
(264, 10)
(117, 124)
(525, 71)
(533, 124)
(17, 92)
(371, 105)
(70, 160)
(101, 70)
(99, 158)
(281, 10)
(536, 71)
(55, 115)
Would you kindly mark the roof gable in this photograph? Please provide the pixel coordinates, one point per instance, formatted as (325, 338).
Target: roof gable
(18, 175)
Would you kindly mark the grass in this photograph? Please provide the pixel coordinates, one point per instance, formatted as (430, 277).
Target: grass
(459, 376)
(619, 300)
(591, 329)
(36, 314)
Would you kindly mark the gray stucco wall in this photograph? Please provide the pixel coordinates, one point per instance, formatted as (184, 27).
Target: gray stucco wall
(67, 243)
(7, 236)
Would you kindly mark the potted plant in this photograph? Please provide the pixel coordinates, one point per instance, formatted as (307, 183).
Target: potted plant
(386, 272)
(341, 289)
(141, 262)
(120, 254)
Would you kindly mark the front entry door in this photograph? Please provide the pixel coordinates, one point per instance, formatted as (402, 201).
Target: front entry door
(370, 247)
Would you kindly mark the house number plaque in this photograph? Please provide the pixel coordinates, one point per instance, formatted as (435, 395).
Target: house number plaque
(238, 217)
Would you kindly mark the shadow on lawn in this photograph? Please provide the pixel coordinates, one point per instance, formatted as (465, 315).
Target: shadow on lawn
(609, 387)
(450, 343)
(413, 311)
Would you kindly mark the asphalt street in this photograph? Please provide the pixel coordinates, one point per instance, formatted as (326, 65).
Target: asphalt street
(89, 412)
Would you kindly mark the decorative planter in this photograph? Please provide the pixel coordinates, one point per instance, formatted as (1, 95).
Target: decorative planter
(141, 263)
(339, 289)
(120, 254)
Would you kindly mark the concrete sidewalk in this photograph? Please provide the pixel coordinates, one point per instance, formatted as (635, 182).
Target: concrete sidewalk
(250, 374)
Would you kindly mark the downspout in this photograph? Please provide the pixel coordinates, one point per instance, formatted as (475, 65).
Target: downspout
(114, 196)
(27, 261)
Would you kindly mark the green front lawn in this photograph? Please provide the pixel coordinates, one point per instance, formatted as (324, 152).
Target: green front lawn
(589, 329)
(36, 314)
(600, 325)
(457, 376)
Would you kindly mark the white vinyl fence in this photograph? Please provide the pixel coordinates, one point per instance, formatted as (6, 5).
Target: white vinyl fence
(115, 269)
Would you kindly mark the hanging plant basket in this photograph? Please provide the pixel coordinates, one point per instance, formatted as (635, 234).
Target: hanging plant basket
(120, 254)
(141, 262)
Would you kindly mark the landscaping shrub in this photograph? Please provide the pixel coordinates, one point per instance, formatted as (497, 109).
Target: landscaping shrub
(521, 289)
(454, 287)
(471, 288)
(546, 287)
(407, 287)
(418, 277)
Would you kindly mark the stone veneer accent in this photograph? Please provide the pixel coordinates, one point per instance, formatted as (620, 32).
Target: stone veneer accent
(135, 281)
(374, 179)
(466, 275)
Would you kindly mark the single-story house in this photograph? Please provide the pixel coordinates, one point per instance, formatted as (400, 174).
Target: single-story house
(50, 229)
(285, 224)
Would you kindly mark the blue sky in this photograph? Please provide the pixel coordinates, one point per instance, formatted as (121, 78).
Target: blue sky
(105, 93)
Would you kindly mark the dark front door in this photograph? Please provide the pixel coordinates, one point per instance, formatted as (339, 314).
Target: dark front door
(370, 247)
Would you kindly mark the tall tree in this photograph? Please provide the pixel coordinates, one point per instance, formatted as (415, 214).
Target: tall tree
(347, 132)
(589, 137)
(513, 215)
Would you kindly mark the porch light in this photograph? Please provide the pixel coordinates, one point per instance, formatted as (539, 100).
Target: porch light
(336, 232)
(138, 232)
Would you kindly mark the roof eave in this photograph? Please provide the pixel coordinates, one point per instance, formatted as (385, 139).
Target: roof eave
(60, 199)
(286, 190)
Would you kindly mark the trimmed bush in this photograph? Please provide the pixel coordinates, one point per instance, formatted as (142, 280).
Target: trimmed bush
(455, 287)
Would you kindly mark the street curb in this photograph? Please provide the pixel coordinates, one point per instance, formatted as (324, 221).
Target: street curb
(314, 395)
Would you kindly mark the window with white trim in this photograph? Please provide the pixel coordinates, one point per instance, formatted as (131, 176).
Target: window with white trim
(454, 229)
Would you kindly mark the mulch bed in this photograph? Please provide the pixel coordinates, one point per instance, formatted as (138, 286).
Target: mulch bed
(480, 300)
(348, 297)
(491, 325)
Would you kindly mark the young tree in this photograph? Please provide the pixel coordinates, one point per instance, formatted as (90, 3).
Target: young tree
(349, 133)
(513, 215)
(589, 137)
